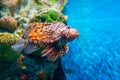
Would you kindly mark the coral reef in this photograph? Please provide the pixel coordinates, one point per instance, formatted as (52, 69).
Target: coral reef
(9, 3)
(8, 58)
(26, 10)
(19, 32)
(15, 15)
(7, 54)
(8, 38)
(38, 68)
(14, 65)
(9, 23)
(49, 16)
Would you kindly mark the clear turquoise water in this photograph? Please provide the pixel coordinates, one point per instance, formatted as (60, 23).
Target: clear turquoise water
(95, 55)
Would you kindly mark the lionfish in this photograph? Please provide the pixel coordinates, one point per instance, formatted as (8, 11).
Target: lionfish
(54, 36)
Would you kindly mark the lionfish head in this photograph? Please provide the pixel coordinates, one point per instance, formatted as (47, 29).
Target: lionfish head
(71, 33)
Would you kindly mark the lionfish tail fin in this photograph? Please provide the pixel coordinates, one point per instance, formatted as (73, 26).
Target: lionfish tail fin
(30, 49)
(18, 46)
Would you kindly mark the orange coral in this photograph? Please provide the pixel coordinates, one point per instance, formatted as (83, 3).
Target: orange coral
(10, 3)
(20, 62)
(42, 75)
(8, 22)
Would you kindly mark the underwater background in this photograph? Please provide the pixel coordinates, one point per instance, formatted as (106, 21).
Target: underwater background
(95, 55)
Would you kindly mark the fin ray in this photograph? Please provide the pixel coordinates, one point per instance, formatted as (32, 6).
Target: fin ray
(29, 49)
(18, 46)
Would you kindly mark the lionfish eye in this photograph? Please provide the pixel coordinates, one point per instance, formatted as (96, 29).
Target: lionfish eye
(68, 27)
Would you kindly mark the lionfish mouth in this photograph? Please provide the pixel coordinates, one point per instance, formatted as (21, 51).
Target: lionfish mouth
(73, 34)
(76, 34)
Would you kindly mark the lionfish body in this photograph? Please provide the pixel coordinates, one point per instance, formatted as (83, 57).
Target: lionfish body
(54, 36)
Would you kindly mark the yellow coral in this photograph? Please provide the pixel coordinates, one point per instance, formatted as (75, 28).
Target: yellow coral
(65, 17)
(8, 38)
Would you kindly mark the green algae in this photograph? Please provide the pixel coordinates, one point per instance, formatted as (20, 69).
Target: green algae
(7, 54)
(49, 16)
(53, 1)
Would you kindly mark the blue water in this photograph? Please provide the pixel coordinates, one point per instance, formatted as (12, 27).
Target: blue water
(95, 55)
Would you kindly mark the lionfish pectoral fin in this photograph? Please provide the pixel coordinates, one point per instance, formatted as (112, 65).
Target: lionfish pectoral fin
(47, 51)
(18, 46)
(30, 49)
(53, 53)
(58, 53)
(54, 56)
(66, 48)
